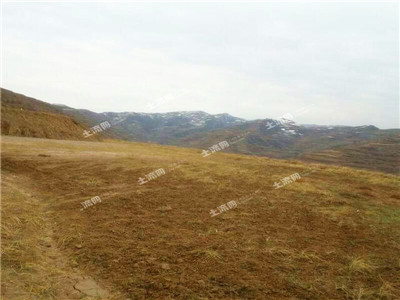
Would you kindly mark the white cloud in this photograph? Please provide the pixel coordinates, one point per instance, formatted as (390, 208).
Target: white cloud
(253, 60)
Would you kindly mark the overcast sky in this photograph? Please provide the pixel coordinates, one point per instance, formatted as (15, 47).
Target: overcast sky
(323, 63)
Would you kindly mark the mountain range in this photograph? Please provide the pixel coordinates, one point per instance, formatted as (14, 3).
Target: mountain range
(358, 146)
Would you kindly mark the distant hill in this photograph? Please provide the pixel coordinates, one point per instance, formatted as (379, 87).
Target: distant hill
(163, 128)
(29, 117)
(365, 147)
(380, 154)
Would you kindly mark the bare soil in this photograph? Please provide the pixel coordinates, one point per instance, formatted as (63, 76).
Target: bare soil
(333, 234)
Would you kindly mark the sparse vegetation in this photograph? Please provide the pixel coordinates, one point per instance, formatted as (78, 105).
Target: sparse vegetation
(320, 237)
(28, 117)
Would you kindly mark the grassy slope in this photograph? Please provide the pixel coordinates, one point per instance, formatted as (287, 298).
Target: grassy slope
(24, 116)
(32, 265)
(376, 150)
(382, 154)
(366, 148)
(334, 234)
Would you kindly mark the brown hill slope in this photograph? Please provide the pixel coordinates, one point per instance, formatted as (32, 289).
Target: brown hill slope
(24, 116)
(333, 233)
(379, 155)
(364, 147)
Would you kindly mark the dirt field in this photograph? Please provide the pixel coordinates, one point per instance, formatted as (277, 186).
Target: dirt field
(333, 233)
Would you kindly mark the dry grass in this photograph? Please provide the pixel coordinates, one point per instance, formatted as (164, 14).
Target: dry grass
(360, 265)
(317, 238)
(32, 267)
(24, 274)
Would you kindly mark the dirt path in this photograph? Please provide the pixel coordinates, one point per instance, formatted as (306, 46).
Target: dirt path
(37, 269)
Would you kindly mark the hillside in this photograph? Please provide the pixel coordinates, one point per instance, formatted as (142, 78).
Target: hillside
(163, 128)
(24, 116)
(328, 233)
(272, 138)
(381, 154)
(357, 146)
(365, 147)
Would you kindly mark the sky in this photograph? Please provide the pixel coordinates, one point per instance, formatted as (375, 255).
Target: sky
(328, 63)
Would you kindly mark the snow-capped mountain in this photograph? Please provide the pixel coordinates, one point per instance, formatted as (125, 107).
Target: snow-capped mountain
(190, 119)
(157, 127)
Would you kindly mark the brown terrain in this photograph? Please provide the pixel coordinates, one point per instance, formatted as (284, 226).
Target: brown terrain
(363, 147)
(331, 234)
(382, 154)
(24, 116)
